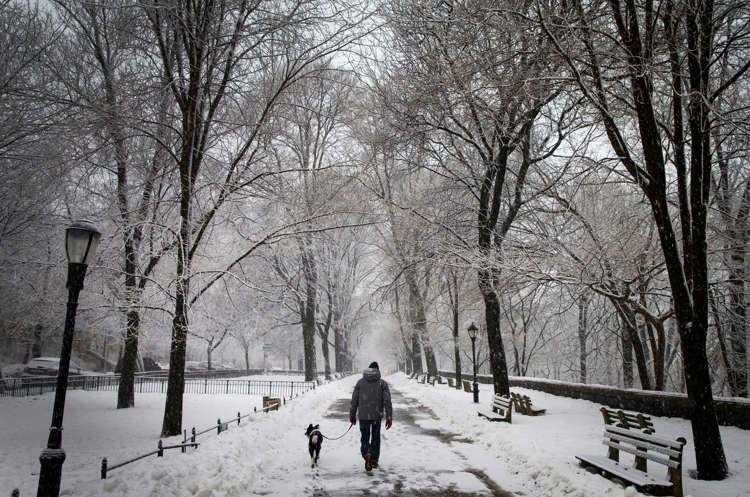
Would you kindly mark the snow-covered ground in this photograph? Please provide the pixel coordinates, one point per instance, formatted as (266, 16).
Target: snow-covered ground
(539, 451)
(93, 428)
(455, 449)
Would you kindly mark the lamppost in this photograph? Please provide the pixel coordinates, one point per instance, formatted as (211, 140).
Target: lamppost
(473, 335)
(81, 242)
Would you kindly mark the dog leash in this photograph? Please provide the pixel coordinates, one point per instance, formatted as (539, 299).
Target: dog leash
(342, 436)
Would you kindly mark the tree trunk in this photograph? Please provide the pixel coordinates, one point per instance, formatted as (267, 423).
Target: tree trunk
(582, 334)
(416, 353)
(429, 355)
(631, 335)
(309, 306)
(326, 355)
(172, 424)
(640, 356)
(36, 348)
(338, 349)
(698, 385)
(419, 320)
(627, 356)
(308, 337)
(208, 356)
(494, 337)
(126, 387)
(456, 350)
(659, 349)
(737, 363)
(308, 333)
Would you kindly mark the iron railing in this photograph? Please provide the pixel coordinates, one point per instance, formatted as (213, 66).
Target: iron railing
(210, 382)
(219, 427)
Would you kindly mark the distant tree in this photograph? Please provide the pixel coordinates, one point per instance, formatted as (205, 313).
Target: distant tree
(478, 94)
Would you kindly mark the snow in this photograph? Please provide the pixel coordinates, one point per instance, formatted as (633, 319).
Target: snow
(539, 451)
(436, 442)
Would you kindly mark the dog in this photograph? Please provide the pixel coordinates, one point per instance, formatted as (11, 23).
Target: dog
(314, 442)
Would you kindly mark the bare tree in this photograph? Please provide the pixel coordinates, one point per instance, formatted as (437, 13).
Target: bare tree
(617, 54)
(487, 88)
(205, 48)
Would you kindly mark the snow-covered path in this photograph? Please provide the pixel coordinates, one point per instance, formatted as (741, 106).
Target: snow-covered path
(414, 461)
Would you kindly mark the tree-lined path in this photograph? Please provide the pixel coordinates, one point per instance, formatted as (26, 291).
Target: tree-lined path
(420, 457)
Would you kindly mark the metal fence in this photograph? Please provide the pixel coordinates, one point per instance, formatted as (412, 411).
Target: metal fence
(219, 427)
(143, 383)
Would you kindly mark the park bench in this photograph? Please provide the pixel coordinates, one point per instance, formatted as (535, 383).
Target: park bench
(627, 419)
(501, 409)
(524, 406)
(423, 379)
(450, 382)
(413, 375)
(644, 447)
(271, 403)
(467, 386)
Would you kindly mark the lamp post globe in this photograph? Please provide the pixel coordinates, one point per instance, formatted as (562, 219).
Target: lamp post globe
(81, 241)
(472, 331)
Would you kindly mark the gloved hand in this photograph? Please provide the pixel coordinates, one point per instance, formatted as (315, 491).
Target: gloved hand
(353, 421)
(388, 424)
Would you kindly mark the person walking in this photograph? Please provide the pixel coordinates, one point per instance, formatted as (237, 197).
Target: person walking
(371, 398)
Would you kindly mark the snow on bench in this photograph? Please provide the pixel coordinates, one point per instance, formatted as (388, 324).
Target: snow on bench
(644, 447)
(627, 419)
(523, 405)
(501, 409)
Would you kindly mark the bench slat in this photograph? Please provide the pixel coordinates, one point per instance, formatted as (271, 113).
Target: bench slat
(628, 418)
(490, 414)
(644, 445)
(675, 444)
(500, 403)
(646, 455)
(638, 478)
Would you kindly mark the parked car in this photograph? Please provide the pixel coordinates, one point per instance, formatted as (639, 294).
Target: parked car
(150, 365)
(48, 366)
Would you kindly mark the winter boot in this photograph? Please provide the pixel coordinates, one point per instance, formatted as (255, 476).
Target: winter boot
(368, 462)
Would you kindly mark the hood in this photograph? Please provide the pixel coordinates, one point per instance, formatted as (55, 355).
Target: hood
(371, 374)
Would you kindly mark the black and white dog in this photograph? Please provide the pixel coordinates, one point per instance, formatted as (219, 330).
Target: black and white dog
(314, 442)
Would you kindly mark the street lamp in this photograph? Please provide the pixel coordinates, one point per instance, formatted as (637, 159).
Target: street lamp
(81, 242)
(473, 335)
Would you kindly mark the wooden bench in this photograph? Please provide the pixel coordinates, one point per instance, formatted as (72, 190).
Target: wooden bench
(271, 403)
(423, 378)
(644, 447)
(467, 386)
(501, 409)
(523, 405)
(450, 382)
(627, 419)
(413, 375)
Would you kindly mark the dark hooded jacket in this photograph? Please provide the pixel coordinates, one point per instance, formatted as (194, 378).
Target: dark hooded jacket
(371, 397)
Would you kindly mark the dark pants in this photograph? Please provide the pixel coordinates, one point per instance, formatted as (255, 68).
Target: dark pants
(370, 440)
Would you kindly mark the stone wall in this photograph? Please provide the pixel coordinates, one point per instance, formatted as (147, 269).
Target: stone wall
(729, 411)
